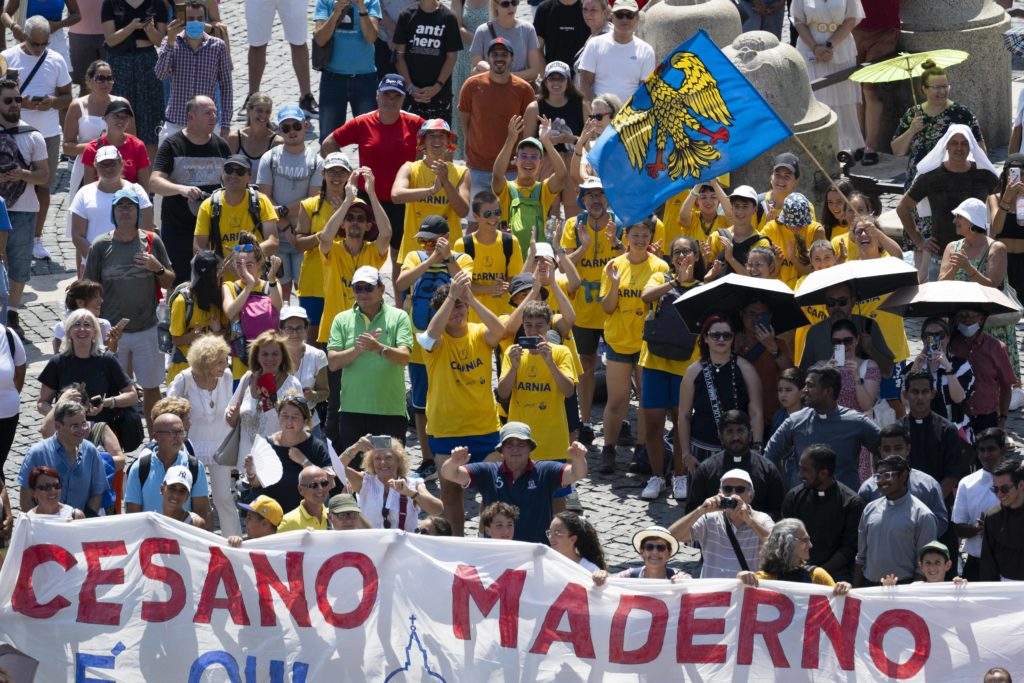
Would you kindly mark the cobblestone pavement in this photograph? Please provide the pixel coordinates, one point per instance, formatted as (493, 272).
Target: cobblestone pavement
(611, 503)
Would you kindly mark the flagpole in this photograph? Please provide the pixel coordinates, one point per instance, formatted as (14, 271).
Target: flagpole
(821, 168)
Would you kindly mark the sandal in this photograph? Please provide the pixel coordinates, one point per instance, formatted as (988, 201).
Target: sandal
(869, 159)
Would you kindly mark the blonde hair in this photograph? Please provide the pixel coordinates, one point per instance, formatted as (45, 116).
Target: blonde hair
(173, 405)
(401, 459)
(207, 350)
(265, 338)
(96, 349)
(255, 100)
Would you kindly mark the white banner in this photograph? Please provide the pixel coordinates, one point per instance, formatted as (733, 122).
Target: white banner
(142, 598)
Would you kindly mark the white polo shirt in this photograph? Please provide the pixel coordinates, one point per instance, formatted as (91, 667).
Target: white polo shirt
(973, 496)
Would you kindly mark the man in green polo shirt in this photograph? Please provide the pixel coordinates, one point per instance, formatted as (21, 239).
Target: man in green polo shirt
(371, 344)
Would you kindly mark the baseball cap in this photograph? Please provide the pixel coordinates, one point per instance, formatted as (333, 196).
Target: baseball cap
(933, 547)
(125, 193)
(531, 142)
(744, 192)
(290, 111)
(658, 532)
(266, 507)
(107, 153)
(544, 250)
(293, 312)
(238, 160)
(367, 275)
(523, 282)
(392, 82)
(625, 6)
(343, 502)
(557, 67)
(118, 105)
(516, 430)
(178, 474)
(972, 209)
(742, 475)
(787, 160)
(500, 42)
(337, 160)
(432, 227)
(591, 183)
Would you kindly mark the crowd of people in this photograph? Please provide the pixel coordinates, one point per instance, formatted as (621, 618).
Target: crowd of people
(261, 297)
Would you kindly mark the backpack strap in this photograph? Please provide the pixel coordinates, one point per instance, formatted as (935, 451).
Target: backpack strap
(193, 468)
(253, 196)
(507, 245)
(470, 246)
(216, 206)
(144, 463)
(10, 341)
(490, 27)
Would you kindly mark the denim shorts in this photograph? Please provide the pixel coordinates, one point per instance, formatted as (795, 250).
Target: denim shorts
(479, 445)
(660, 389)
(291, 262)
(613, 355)
(19, 244)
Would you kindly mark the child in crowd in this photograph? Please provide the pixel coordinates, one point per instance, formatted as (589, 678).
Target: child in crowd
(498, 520)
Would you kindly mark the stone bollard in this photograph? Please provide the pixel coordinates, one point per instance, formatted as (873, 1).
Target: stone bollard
(779, 73)
(667, 23)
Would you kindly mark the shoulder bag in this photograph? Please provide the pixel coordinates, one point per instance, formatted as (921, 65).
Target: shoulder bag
(227, 452)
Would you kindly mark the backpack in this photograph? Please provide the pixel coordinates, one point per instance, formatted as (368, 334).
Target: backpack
(526, 214)
(312, 158)
(145, 463)
(665, 331)
(11, 159)
(423, 290)
(217, 206)
(183, 290)
(507, 245)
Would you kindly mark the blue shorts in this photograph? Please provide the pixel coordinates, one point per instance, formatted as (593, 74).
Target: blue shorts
(314, 306)
(418, 380)
(480, 446)
(659, 389)
(613, 355)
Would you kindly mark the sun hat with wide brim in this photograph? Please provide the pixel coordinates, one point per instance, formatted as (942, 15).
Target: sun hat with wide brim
(655, 532)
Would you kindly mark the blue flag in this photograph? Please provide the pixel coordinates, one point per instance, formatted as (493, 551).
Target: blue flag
(694, 118)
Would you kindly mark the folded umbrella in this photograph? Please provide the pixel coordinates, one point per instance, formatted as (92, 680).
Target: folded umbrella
(732, 293)
(870, 278)
(945, 297)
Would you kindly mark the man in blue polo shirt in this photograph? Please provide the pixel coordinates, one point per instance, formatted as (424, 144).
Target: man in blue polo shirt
(520, 481)
(142, 494)
(75, 459)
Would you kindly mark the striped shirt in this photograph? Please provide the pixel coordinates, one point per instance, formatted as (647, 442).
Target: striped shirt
(193, 73)
(720, 560)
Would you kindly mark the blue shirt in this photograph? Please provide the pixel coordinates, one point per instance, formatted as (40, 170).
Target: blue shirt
(148, 496)
(5, 220)
(351, 53)
(922, 486)
(531, 493)
(80, 480)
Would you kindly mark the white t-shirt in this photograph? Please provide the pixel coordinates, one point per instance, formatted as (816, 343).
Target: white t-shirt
(95, 206)
(313, 361)
(618, 68)
(33, 148)
(208, 424)
(52, 74)
(374, 497)
(9, 399)
(973, 497)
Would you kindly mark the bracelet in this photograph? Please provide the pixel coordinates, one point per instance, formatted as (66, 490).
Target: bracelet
(161, 271)
(439, 83)
(414, 496)
(364, 14)
(1004, 209)
(383, 350)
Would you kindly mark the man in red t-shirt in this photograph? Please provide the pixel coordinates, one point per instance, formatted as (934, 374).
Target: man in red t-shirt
(386, 139)
(876, 38)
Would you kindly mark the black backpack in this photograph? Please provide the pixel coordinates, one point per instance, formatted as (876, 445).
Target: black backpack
(217, 205)
(665, 331)
(183, 290)
(145, 463)
(507, 245)
(11, 159)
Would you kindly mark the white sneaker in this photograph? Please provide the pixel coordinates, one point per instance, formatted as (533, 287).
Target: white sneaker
(39, 252)
(572, 502)
(655, 487)
(680, 487)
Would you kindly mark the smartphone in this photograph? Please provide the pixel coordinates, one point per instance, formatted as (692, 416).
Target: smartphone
(123, 323)
(933, 349)
(839, 353)
(764, 320)
(35, 98)
(529, 343)
(179, 12)
(96, 401)
(726, 503)
(382, 442)
(1013, 174)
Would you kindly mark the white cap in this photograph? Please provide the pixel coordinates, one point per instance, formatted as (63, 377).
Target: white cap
(337, 160)
(179, 474)
(544, 250)
(293, 312)
(368, 275)
(742, 475)
(106, 153)
(975, 211)
(744, 192)
(557, 67)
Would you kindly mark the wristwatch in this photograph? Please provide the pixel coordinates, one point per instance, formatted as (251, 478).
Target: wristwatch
(282, 211)
(161, 271)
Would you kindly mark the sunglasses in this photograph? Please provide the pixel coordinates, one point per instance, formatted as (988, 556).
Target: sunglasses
(720, 336)
(832, 303)
(845, 341)
(289, 127)
(659, 547)
(14, 100)
(427, 243)
(884, 476)
(170, 432)
(386, 514)
(508, 3)
(103, 78)
(236, 170)
(729, 490)
(681, 252)
(243, 247)
(55, 486)
(598, 117)
(301, 400)
(314, 485)
(624, 15)
(1002, 488)
(363, 288)
(355, 218)
(421, 530)
(490, 213)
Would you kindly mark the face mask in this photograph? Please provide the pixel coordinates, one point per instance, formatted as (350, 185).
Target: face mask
(968, 330)
(195, 29)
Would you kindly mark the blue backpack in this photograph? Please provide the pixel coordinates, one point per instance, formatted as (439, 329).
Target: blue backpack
(423, 290)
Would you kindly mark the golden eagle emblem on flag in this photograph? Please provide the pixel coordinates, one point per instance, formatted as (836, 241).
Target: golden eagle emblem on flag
(666, 109)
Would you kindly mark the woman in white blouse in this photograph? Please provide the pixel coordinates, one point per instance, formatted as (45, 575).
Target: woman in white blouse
(310, 363)
(387, 496)
(206, 383)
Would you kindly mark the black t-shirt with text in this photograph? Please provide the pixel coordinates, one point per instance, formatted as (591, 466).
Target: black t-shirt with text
(428, 38)
(562, 29)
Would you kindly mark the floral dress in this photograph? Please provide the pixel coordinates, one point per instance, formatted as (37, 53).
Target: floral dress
(1006, 334)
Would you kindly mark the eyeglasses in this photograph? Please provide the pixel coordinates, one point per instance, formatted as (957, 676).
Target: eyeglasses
(681, 252)
(845, 341)
(884, 476)
(508, 3)
(833, 303)
(720, 336)
(1003, 488)
(55, 486)
(386, 514)
(243, 247)
(355, 218)
(652, 547)
(236, 170)
(490, 213)
(292, 329)
(363, 288)
(557, 534)
(289, 127)
(103, 78)
(314, 485)
(77, 426)
(729, 490)
(12, 100)
(598, 117)
(624, 15)
(938, 87)
(170, 432)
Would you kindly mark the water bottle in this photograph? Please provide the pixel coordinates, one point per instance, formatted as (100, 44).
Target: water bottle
(163, 328)
(1020, 209)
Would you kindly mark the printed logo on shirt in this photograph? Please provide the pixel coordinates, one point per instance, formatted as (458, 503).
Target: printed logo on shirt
(427, 39)
(531, 485)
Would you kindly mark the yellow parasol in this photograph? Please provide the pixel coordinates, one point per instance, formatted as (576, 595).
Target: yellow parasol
(907, 65)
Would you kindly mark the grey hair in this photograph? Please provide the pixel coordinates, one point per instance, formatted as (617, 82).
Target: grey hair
(37, 24)
(66, 348)
(67, 408)
(611, 101)
(778, 552)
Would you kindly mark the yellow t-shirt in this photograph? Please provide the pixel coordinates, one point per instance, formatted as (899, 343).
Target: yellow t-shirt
(716, 242)
(311, 273)
(568, 340)
(522, 233)
(489, 266)
(623, 329)
(460, 401)
(587, 301)
(412, 259)
(421, 176)
(200, 318)
(653, 362)
(782, 237)
(234, 220)
(338, 267)
(537, 401)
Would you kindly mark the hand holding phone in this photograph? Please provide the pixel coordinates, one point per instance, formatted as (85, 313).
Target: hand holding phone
(839, 353)
(381, 442)
(1013, 174)
(529, 343)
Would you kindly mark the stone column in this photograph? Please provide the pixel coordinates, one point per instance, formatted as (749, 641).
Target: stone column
(779, 73)
(667, 23)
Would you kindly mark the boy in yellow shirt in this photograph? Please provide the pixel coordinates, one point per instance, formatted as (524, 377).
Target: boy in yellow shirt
(496, 255)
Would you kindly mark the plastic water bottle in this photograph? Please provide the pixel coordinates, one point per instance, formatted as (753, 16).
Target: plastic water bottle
(163, 327)
(1020, 209)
